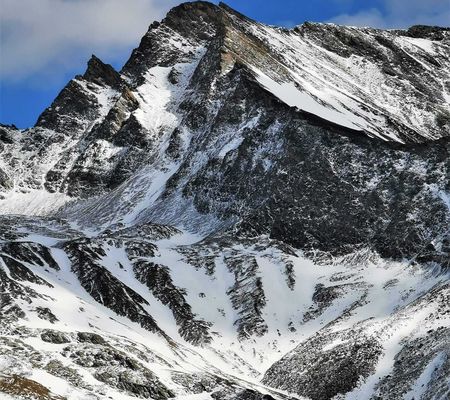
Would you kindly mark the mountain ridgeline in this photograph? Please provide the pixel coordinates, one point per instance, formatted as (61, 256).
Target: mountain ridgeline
(242, 212)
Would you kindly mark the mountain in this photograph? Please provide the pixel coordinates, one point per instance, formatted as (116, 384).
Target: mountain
(243, 212)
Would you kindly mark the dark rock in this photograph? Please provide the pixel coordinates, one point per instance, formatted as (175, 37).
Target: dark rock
(56, 337)
(102, 74)
(150, 388)
(20, 272)
(158, 280)
(103, 286)
(30, 252)
(93, 338)
(428, 32)
(46, 314)
(5, 180)
(321, 375)
(247, 296)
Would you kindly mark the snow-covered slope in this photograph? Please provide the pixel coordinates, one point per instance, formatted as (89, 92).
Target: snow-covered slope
(243, 212)
(155, 306)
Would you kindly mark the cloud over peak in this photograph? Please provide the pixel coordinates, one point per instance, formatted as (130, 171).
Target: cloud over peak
(38, 34)
(41, 40)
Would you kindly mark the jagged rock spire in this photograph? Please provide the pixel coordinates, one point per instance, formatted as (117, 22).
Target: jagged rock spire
(103, 74)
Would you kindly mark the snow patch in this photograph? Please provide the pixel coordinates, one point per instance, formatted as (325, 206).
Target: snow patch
(292, 96)
(33, 202)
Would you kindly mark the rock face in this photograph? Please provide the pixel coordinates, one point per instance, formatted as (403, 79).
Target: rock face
(241, 212)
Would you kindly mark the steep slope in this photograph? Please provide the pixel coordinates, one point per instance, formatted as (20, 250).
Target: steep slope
(242, 212)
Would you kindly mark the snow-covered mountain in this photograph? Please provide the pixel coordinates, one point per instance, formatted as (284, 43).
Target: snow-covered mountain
(243, 212)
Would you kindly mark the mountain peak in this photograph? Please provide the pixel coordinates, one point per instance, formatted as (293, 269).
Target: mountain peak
(102, 74)
(190, 18)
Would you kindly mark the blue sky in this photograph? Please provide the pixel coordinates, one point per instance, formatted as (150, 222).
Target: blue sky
(44, 43)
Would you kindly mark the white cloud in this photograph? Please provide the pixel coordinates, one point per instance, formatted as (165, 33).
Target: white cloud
(371, 17)
(43, 39)
(37, 34)
(400, 14)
